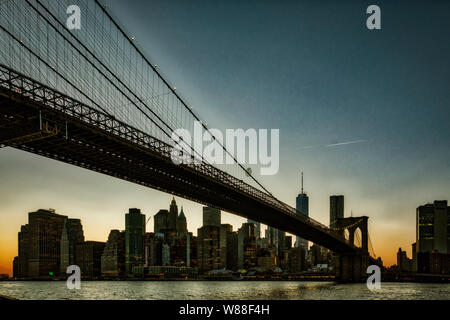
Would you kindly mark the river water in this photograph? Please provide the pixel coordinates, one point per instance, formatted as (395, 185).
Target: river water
(214, 290)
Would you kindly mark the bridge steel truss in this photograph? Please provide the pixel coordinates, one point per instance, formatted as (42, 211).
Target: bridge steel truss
(83, 136)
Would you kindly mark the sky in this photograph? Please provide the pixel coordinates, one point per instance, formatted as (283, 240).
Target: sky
(363, 113)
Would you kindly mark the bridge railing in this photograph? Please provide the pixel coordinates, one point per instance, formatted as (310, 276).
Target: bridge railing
(19, 84)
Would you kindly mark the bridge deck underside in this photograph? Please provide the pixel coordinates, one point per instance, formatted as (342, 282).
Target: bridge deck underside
(89, 146)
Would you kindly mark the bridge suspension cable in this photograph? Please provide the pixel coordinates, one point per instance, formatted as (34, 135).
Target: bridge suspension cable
(44, 62)
(371, 249)
(346, 227)
(101, 63)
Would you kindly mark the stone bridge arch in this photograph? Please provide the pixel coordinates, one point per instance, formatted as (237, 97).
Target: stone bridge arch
(352, 224)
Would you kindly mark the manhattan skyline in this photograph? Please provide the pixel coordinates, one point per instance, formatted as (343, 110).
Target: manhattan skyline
(360, 112)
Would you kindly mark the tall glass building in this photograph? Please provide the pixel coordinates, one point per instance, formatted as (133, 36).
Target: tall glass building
(336, 210)
(134, 239)
(302, 206)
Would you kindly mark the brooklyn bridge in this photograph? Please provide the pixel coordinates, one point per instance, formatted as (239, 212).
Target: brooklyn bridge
(91, 98)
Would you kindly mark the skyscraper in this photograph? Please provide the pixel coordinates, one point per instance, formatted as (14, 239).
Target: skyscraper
(336, 210)
(180, 249)
(272, 237)
(232, 250)
(161, 221)
(404, 264)
(281, 246)
(211, 248)
(302, 206)
(432, 238)
(71, 237)
(181, 223)
(89, 258)
(113, 256)
(47, 244)
(296, 261)
(212, 241)
(23, 236)
(153, 243)
(43, 246)
(134, 239)
(441, 224)
(172, 217)
(211, 216)
(432, 226)
(16, 267)
(258, 228)
(247, 246)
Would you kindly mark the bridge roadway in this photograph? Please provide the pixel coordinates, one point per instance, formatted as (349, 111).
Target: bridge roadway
(40, 120)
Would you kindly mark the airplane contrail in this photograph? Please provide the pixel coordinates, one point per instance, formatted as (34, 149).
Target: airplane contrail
(334, 144)
(344, 143)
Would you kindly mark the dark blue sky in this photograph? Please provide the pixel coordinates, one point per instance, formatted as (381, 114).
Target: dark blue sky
(313, 69)
(308, 68)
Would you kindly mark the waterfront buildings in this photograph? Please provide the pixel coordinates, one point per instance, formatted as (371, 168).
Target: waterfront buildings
(136, 253)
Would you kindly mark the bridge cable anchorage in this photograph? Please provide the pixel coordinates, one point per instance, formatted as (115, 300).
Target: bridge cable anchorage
(132, 43)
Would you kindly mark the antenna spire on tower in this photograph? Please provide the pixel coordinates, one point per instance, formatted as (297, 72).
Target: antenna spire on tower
(302, 182)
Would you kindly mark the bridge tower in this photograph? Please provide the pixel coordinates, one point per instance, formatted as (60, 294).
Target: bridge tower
(352, 267)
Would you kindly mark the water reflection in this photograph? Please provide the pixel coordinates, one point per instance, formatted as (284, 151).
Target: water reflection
(214, 290)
